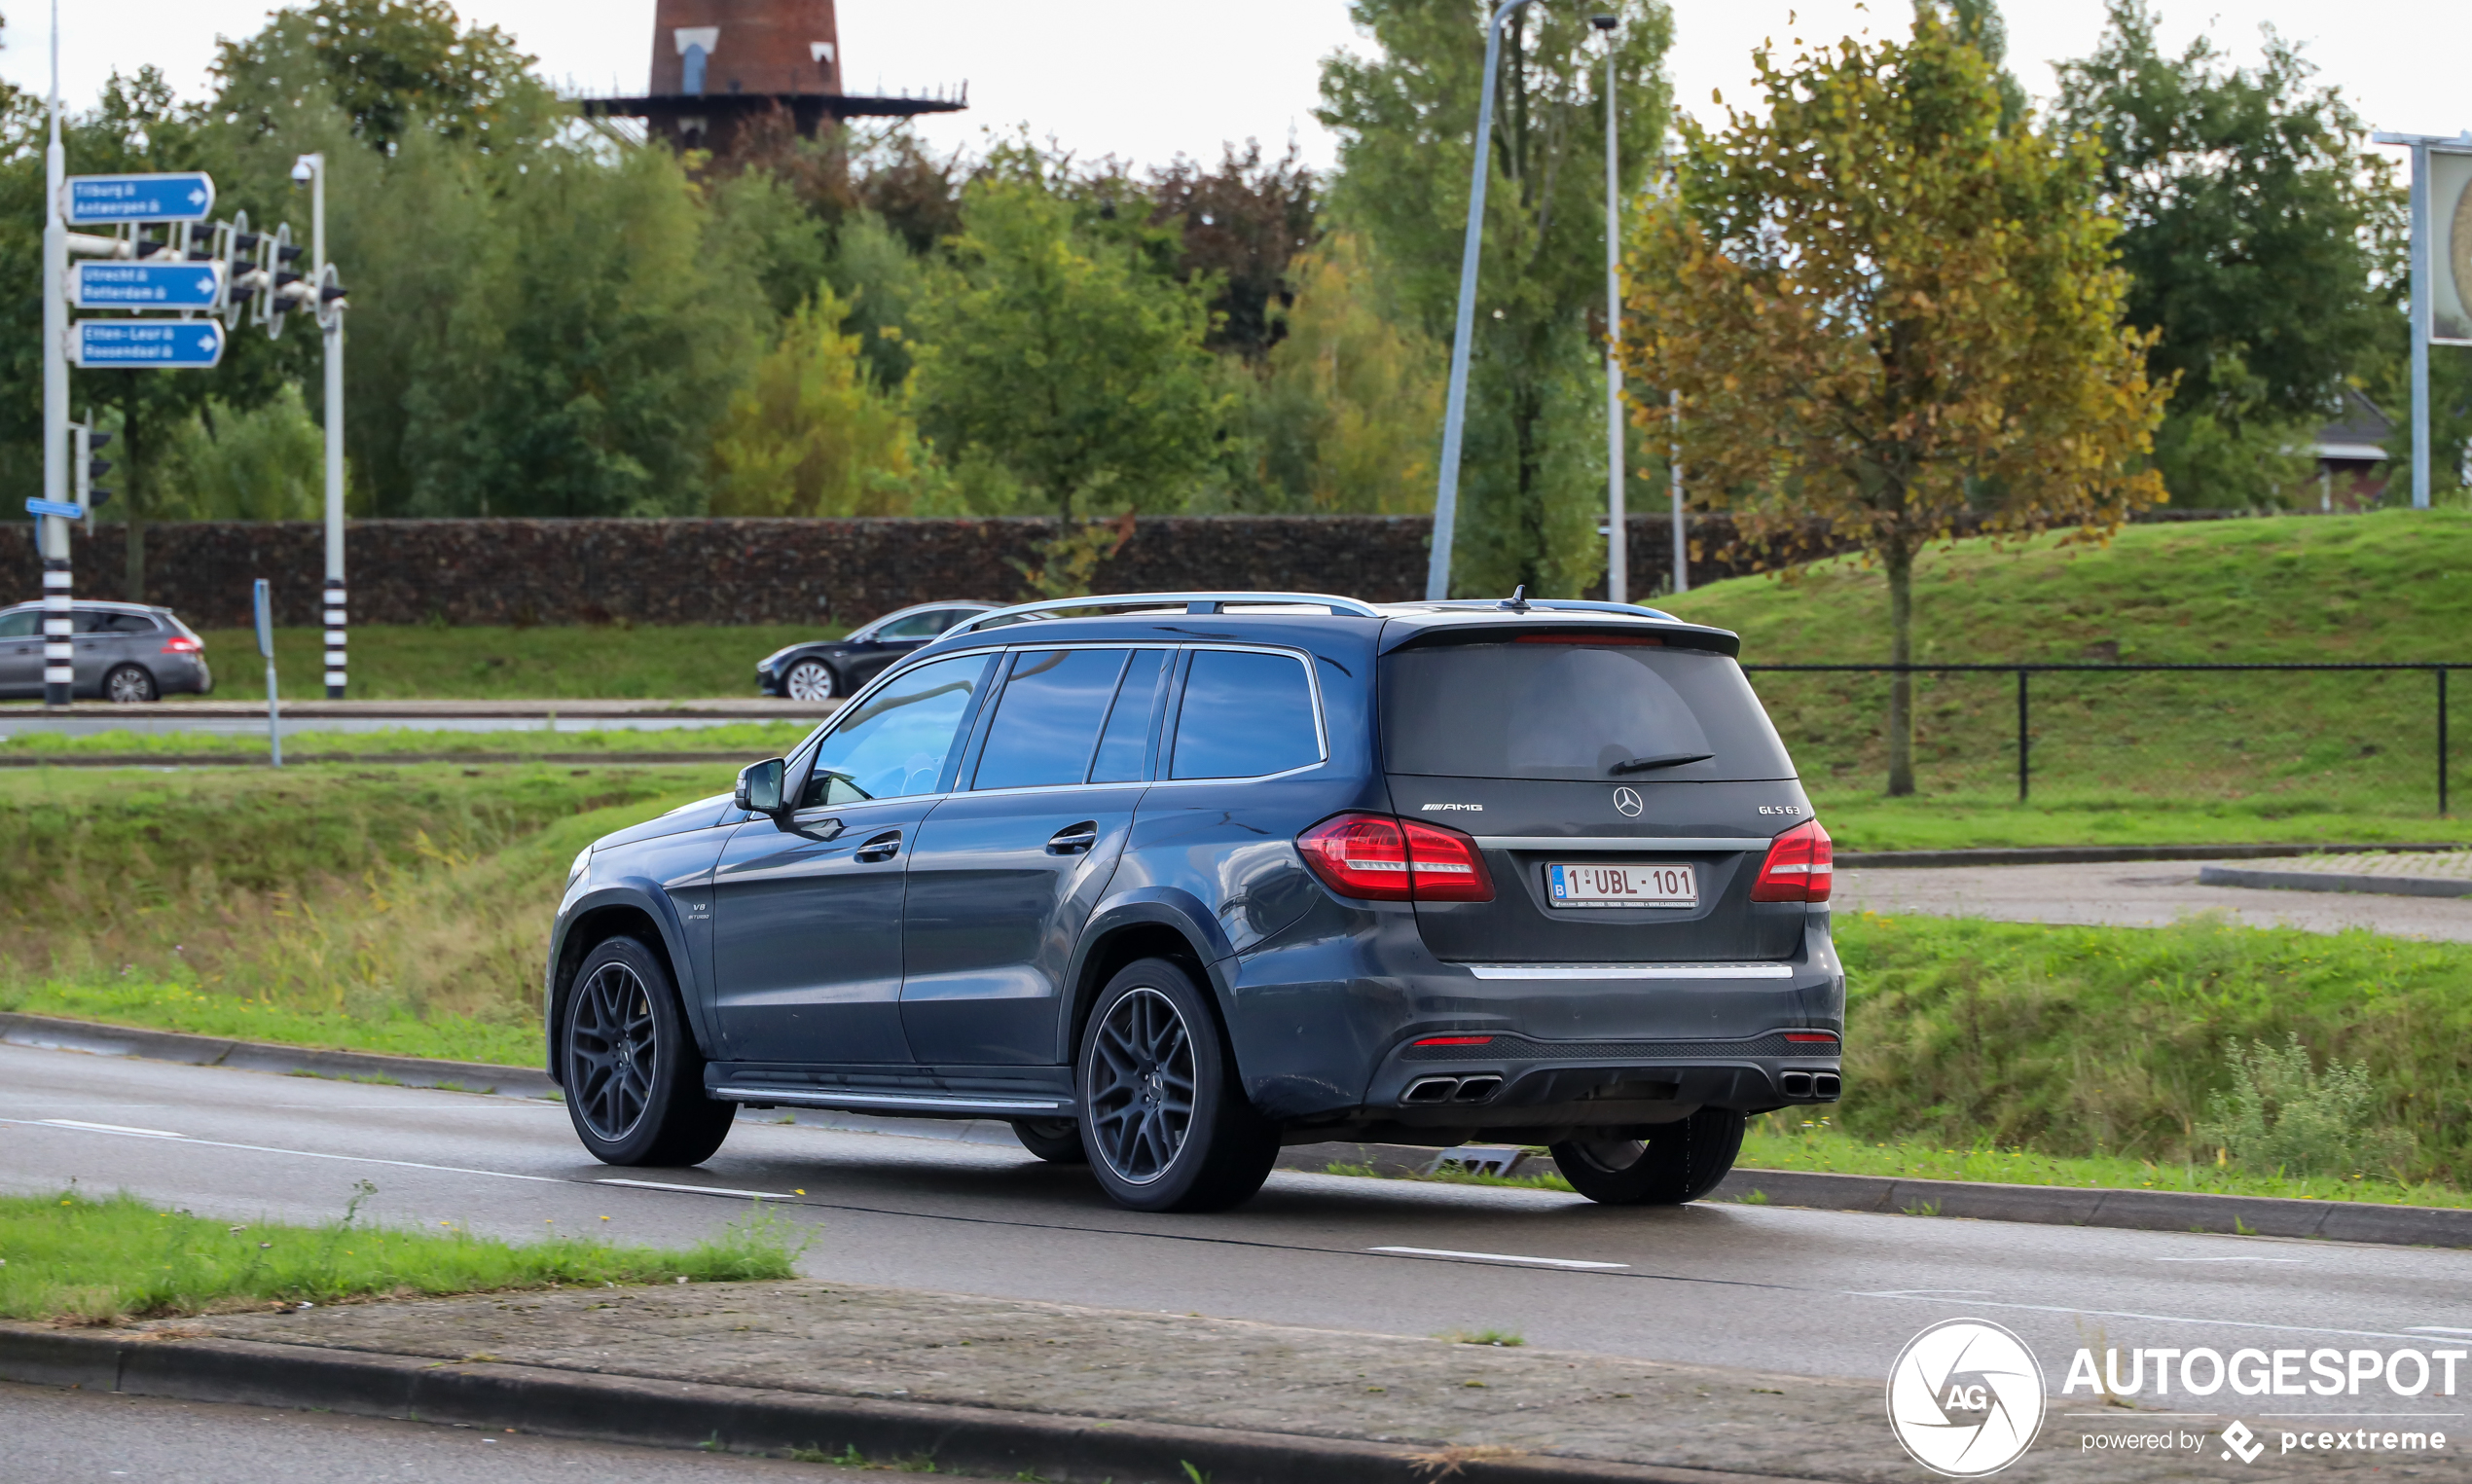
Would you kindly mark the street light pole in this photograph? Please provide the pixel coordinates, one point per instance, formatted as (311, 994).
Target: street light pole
(1455, 409)
(59, 674)
(1618, 528)
(329, 321)
(2422, 289)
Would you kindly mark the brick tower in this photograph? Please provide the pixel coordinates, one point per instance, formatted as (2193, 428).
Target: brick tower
(721, 65)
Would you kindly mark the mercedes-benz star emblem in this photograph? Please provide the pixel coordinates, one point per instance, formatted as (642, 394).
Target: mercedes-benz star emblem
(1628, 801)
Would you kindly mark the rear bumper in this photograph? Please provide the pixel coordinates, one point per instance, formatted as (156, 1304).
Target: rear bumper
(1540, 1048)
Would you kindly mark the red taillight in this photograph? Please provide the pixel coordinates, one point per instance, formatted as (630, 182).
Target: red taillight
(1454, 1040)
(1800, 866)
(181, 643)
(1819, 1038)
(1392, 860)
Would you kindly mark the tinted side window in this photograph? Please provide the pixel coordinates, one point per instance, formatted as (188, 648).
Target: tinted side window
(1125, 746)
(122, 623)
(1245, 715)
(1047, 723)
(23, 623)
(918, 625)
(896, 744)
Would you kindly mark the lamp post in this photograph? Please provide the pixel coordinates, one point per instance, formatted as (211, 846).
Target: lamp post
(310, 170)
(2421, 146)
(1454, 408)
(1618, 532)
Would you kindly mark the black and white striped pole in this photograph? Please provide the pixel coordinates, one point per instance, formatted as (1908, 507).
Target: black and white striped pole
(310, 170)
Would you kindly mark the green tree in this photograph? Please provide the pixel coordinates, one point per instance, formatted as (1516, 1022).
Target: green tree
(1353, 395)
(391, 66)
(1057, 355)
(1884, 314)
(261, 463)
(2263, 238)
(1533, 477)
(810, 434)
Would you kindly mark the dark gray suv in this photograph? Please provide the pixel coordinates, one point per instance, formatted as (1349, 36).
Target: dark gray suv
(1171, 880)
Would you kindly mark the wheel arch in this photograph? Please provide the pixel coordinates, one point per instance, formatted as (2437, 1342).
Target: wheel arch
(600, 919)
(1151, 924)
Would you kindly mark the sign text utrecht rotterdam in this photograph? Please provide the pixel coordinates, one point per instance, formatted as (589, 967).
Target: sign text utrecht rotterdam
(170, 344)
(146, 286)
(106, 201)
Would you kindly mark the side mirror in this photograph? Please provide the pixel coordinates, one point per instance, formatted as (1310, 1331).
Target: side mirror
(759, 786)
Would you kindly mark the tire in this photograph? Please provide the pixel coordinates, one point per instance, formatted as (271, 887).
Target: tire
(1163, 1112)
(1679, 1162)
(809, 681)
(129, 685)
(623, 1018)
(1057, 1140)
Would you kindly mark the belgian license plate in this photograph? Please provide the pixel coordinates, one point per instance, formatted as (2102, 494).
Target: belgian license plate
(1570, 885)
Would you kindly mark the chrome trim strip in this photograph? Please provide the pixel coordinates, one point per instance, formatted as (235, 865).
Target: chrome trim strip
(1642, 844)
(805, 1097)
(1630, 970)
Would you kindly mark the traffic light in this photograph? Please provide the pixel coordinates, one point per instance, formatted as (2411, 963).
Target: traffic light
(85, 468)
(237, 246)
(283, 288)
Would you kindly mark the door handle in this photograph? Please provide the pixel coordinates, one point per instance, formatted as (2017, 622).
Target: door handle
(883, 846)
(1074, 838)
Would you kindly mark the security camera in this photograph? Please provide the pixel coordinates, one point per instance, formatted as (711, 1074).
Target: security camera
(302, 173)
(1603, 23)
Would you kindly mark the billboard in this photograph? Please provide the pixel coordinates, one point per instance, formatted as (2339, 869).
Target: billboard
(2450, 247)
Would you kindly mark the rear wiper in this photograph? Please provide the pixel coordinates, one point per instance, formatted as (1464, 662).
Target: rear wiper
(1662, 760)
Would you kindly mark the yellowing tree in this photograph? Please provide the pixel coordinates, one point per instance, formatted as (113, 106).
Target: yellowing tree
(810, 434)
(1368, 390)
(1884, 312)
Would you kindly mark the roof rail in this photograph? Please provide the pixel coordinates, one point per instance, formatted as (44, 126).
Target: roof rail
(1194, 602)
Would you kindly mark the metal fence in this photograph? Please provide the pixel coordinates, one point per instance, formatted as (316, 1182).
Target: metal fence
(2327, 735)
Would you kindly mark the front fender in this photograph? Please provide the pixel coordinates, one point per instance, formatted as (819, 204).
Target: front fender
(635, 896)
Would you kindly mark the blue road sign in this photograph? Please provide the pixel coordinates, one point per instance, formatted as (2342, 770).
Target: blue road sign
(63, 510)
(174, 345)
(146, 286)
(107, 201)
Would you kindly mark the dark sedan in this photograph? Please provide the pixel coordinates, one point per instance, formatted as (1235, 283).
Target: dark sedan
(829, 667)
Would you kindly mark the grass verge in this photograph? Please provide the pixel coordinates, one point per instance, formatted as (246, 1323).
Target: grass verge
(753, 740)
(434, 662)
(69, 1258)
(1867, 822)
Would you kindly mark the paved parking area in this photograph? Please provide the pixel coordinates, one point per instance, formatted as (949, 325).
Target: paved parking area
(2138, 894)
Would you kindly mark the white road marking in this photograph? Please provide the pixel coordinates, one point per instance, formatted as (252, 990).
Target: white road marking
(350, 1159)
(2438, 1329)
(112, 1127)
(2232, 1259)
(758, 1195)
(1923, 1296)
(1534, 1262)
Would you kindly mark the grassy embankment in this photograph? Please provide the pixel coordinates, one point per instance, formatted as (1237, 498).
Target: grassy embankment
(73, 1259)
(2189, 758)
(749, 740)
(397, 909)
(432, 661)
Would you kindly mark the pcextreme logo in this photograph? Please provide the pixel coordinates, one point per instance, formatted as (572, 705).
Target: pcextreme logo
(1965, 1398)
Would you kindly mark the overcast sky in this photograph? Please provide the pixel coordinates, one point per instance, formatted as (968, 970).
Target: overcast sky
(1150, 79)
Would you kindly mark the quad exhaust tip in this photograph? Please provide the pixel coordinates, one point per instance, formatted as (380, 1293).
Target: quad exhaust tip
(1821, 1086)
(1430, 1091)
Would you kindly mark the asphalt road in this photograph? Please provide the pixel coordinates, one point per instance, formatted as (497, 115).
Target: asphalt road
(1776, 1288)
(2138, 894)
(93, 1438)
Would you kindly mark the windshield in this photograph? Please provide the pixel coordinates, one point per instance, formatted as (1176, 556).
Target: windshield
(1570, 709)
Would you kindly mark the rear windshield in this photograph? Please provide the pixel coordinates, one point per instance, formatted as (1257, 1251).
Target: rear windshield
(1574, 710)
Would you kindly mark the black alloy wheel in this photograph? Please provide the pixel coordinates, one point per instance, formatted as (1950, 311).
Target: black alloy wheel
(129, 685)
(632, 1077)
(1057, 1140)
(1164, 1114)
(1678, 1162)
(809, 681)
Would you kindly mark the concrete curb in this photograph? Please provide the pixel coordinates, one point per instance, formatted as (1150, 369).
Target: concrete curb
(51, 1033)
(2332, 881)
(2170, 1210)
(678, 1414)
(2106, 854)
(2153, 1210)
